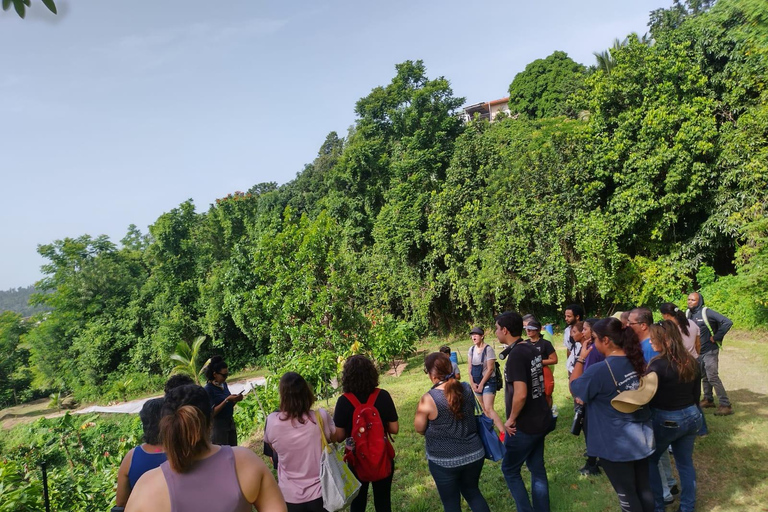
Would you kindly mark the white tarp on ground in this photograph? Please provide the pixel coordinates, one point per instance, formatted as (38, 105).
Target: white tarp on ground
(134, 406)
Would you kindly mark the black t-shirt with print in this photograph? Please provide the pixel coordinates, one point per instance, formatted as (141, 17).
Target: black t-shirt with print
(544, 347)
(524, 365)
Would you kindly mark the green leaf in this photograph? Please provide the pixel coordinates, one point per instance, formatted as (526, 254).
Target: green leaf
(51, 6)
(19, 6)
(6, 4)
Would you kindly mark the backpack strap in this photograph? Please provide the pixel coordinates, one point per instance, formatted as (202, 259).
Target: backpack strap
(373, 396)
(706, 322)
(352, 399)
(482, 356)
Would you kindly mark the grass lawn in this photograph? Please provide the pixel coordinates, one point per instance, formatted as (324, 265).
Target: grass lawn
(732, 462)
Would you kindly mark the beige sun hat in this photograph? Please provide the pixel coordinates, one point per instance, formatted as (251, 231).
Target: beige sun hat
(631, 400)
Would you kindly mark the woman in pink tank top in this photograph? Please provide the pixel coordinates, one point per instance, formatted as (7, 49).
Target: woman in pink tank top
(199, 476)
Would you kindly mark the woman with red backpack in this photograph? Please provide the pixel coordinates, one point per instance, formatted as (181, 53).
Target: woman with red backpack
(366, 416)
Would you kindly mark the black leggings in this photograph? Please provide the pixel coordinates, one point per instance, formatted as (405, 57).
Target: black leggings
(631, 481)
(382, 494)
(309, 506)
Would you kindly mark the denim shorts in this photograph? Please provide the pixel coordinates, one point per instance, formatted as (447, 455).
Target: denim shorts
(489, 388)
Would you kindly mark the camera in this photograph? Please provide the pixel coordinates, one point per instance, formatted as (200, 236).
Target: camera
(578, 419)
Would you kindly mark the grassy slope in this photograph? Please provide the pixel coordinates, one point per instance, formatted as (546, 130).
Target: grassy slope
(732, 462)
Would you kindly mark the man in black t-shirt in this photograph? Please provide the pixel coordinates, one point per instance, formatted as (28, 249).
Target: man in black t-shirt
(529, 417)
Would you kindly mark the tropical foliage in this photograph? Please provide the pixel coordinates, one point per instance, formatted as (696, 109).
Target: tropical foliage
(613, 187)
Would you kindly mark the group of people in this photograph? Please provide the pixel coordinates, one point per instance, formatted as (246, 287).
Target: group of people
(178, 464)
(638, 383)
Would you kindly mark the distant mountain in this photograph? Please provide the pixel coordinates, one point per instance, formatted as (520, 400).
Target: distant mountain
(17, 299)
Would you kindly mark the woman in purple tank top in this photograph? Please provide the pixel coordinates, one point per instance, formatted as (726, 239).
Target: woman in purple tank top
(200, 476)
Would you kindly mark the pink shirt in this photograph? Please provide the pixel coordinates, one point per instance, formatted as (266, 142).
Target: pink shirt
(690, 340)
(298, 448)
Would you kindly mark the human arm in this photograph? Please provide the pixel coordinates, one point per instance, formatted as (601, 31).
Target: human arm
(256, 481)
(518, 402)
(231, 398)
(426, 410)
(490, 369)
(551, 357)
(150, 493)
(388, 411)
(123, 482)
(724, 325)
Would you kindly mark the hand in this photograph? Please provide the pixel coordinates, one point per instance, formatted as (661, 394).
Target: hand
(578, 401)
(510, 426)
(585, 352)
(234, 398)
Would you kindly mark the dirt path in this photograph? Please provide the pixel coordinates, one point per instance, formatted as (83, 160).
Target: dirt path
(27, 413)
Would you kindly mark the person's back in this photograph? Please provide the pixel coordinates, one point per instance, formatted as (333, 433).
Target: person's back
(192, 490)
(199, 476)
(453, 442)
(143, 461)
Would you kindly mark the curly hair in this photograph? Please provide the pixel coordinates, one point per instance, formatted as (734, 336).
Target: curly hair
(296, 397)
(624, 338)
(667, 334)
(186, 425)
(174, 381)
(438, 365)
(150, 416)
(359, 376)
(214, 366)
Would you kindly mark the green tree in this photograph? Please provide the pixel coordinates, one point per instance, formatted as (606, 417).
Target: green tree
(188, 357)
(15, 375)
(544, 87)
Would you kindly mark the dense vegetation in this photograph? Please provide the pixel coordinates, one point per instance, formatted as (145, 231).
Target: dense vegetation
(627, 183)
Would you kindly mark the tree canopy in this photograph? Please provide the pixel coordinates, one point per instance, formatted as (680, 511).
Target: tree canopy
(414, 222)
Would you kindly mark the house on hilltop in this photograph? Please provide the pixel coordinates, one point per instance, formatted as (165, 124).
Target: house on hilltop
(486, 110)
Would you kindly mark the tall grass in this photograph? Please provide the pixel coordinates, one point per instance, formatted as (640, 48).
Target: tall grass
(732, 462)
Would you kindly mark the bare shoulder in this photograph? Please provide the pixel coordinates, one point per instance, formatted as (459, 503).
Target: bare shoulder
(150, 493)
(125, 465)
(256, 481)
(250, 470)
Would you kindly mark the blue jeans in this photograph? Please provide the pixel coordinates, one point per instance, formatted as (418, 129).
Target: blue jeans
(678, 429)
(528, 449)
(462, 480)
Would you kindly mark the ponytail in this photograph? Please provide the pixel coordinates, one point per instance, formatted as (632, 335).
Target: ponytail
(439, 365)
(185, 437)
(668, 308)
(624, 338)
(185, 427)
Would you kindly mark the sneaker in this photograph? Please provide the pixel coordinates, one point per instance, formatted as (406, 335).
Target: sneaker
(707, 404)
(674, 490)
(589, 470)
(724, 410)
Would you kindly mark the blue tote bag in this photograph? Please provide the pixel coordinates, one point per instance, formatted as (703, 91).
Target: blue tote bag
(494, 448)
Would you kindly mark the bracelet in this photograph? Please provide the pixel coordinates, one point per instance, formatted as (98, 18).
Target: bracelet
(582, 361)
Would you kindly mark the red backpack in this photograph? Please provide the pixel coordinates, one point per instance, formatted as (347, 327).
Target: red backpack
(373, 453)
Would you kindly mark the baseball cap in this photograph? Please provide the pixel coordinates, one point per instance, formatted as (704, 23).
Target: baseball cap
(477, 330)
(533, 325)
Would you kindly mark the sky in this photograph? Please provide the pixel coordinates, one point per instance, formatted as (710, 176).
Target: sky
(114, 112)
